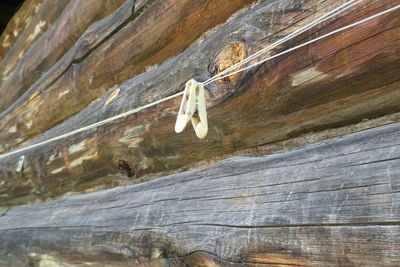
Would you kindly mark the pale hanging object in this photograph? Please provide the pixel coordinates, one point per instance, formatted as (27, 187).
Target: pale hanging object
(193, 107)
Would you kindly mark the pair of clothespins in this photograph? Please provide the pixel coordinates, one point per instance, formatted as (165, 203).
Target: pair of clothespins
(193, 107)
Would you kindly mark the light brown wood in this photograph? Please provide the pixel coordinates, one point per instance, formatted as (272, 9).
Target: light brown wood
(138, 42)
(342, 80)
(46, 14)
(54, 30)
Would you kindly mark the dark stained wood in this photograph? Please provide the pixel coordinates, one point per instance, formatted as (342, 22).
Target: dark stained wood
(90, 39)
(46, 14)
(31, 57)
(20, 21)
(342, 80)
(164, 29)
(333, 203)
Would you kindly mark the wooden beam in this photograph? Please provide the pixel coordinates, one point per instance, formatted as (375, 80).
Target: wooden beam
(336, 202)
(43, 14)
(131, 50)
(20, 21)
(342, 80)
(53, 31)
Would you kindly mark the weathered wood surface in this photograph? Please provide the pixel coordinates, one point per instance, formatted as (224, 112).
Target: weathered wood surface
(344, 79)
(45, 15)
(164, 29)
(333, 203)
(32, 56)
(19, 22)
(96, 34)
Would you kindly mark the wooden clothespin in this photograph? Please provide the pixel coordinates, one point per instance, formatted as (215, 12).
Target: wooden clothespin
(193, 107)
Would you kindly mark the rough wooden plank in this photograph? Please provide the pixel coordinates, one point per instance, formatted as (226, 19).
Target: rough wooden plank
(333, 203)
(164, 29)
(95, 35)
(46, 14)
(32, 56)
(18, 23)
(263, 106)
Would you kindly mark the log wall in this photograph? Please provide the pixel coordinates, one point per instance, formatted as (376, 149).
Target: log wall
(300, 166)
(347, 78)
(333, 203)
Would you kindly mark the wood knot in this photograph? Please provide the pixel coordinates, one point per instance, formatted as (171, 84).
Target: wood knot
(230, 55)
(126, 168)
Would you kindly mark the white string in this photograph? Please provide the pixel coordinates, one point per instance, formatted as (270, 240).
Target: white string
(321, 19)
(91, 126)
(129, 112)
(309, 42)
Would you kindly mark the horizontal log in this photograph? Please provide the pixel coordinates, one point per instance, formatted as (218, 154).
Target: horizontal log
(333, 203)
(32, 56)
(18, 23)
(344, 79)
(90, 39)
(45, 16)
(164, 29)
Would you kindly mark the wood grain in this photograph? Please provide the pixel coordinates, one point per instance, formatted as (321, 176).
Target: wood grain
(39, 48)
(46, 14)
(333, 203)
(160, 30)
(345, 79)
(18, 23)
